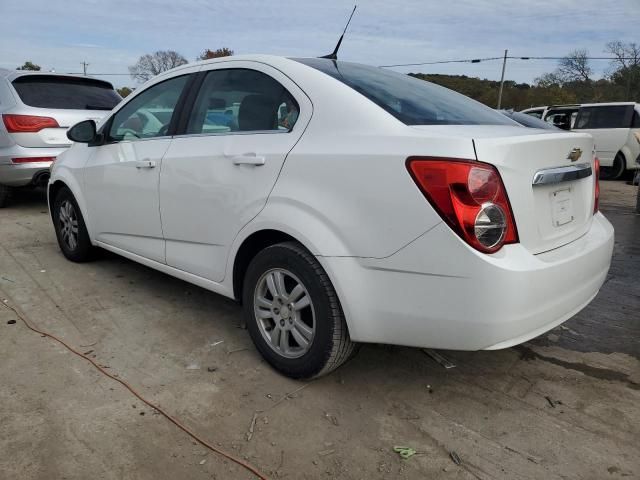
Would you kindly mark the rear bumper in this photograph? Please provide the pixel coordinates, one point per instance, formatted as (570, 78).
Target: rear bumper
(22, 174)
(439, 293)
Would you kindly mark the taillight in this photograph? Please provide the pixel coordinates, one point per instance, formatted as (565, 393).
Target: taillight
(32, 159)
(596, 190)
(470, 197)
(27, 123)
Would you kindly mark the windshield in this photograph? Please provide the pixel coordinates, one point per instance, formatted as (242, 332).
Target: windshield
(412, 101)
(52, 91)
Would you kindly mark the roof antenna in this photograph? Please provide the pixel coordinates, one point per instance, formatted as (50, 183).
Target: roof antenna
(334, 55)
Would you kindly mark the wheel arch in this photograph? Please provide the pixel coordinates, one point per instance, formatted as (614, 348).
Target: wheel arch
(627, 156)
(249, 248)
(55, 185)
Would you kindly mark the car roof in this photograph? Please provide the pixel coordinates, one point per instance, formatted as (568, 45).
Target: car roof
(11, 75)
(607, 104)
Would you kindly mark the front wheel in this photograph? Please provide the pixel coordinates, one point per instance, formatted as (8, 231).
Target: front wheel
(293, 313)
(70, 228)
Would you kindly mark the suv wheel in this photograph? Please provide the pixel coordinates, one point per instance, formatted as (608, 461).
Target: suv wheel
(615, 171)
(70, 228)
(293, 314)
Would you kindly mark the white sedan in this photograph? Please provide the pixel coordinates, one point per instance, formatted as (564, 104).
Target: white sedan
(340, 203)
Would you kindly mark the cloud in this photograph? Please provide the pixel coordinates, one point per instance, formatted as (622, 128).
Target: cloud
(112, 34)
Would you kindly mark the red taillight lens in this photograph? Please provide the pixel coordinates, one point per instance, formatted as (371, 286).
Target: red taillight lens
(32, 159)
(596, 193)
(470, 197)
(27, 123)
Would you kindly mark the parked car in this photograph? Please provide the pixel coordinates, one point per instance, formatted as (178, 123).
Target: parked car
(612, 126)
(560, 116)
(529, 120)
(343, 203)
(36, 110)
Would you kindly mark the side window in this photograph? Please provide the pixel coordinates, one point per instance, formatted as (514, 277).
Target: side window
(535, 113)
(635, 123)
(242, 100)
(148, 115)
(614, 116)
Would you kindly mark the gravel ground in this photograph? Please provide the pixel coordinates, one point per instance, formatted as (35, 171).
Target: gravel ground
(565, 405)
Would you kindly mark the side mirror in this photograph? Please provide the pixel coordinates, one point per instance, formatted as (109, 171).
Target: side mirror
(83, 132)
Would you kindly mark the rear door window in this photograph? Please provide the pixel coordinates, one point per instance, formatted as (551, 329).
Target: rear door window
(72, 93)
(242, 100)
(615, 116)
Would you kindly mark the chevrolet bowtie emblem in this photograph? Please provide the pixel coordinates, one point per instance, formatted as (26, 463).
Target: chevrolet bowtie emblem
(574, 154)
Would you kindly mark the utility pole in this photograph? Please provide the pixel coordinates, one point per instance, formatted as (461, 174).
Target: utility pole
(85, 65)
(504, 66)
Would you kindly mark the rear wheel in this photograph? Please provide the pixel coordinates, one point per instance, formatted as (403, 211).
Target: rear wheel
(615, 171)
(5, 195)
(293, 314)
(70, 228)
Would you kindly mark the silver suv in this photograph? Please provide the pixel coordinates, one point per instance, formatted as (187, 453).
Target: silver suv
(36, 110)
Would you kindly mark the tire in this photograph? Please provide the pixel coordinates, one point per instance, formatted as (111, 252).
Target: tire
(70, 228)
(615, 171)
(5, 195)
(307, 311)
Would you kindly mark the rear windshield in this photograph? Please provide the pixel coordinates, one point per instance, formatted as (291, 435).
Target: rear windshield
(410, 100)
(613, 116)
(49, 91)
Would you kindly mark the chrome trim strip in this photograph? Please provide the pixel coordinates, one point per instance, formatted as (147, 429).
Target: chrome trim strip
(548, 176)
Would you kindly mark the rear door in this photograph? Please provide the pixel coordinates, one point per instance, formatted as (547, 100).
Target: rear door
(217, 175)
(609, 127)
(550, 182)
(121, 177)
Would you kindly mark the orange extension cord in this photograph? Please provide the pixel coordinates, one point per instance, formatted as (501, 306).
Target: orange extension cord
(172, 419)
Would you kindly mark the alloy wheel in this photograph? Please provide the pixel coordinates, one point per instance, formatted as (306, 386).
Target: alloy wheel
(68, 224)
(284, 313)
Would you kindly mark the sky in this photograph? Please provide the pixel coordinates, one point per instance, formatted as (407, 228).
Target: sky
(112, 34)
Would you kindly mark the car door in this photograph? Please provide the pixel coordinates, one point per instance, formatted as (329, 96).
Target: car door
(609, 126)
(217, 175)
(121, 177)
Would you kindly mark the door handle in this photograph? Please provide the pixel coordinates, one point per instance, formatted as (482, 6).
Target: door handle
(248, 159)
(146, 164)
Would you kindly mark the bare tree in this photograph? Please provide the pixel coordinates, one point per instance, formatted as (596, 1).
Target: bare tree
(575, 67)
(152, 64)
(220, 52)
(626, 65)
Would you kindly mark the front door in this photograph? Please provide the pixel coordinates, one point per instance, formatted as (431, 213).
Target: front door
(217, 176)
(121, 177)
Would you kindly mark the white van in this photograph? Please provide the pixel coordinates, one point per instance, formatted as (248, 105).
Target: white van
(613, 127)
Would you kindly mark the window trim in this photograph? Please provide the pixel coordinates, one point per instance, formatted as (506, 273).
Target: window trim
(181, 131)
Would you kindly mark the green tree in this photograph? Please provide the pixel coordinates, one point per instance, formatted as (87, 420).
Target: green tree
(152, 64)
(220, 52)
(28, 65)
(124, 91)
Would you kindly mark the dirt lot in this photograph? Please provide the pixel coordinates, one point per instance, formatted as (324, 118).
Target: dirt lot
(566, 405)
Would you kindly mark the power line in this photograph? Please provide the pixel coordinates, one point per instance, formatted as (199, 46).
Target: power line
(478, 60)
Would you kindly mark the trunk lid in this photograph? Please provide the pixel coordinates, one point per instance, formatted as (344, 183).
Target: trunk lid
(551, 194)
